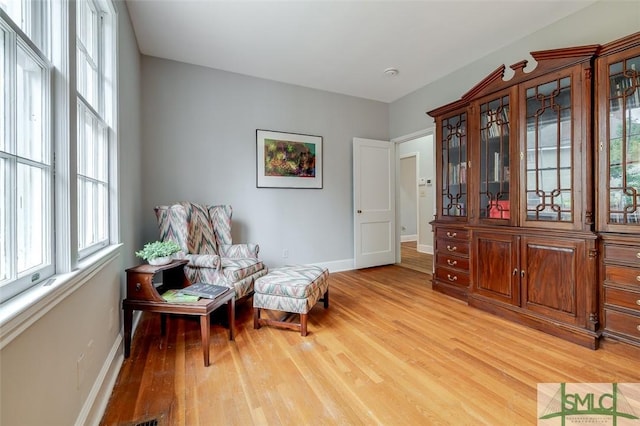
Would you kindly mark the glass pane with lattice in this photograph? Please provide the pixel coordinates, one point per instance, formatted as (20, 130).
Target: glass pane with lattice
(494, 159)
(454, 165)
(549, 186)
(624, 141)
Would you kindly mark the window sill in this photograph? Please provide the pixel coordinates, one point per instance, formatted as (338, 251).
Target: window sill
(18, 313)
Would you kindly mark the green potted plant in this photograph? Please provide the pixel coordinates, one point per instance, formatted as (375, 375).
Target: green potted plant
(158, 252)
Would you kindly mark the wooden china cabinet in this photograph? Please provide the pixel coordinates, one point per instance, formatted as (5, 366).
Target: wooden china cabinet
(515, 231)
(618, 161)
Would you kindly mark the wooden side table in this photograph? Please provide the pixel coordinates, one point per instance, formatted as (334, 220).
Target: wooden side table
(142, 295)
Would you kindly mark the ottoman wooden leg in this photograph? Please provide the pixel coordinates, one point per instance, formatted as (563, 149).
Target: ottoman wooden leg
(303, 324)
(325, 299)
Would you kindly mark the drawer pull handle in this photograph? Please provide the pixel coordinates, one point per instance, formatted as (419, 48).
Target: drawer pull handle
(453, 235)
(455, 278)
(455, 262)
(638, 302)
(638, 278)
(638, 327)
(638, 255)
(454, 248)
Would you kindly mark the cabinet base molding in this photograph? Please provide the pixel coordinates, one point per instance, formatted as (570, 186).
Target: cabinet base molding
(580, 336)
(620, 338)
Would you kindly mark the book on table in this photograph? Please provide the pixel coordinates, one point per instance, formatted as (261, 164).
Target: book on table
(176, 296)
(208, 291)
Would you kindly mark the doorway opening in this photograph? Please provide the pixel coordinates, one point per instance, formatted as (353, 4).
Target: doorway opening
(415, 200)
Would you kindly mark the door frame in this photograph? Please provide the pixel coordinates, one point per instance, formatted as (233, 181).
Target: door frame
(396, 141)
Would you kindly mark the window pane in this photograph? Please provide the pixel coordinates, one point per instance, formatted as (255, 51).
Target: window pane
(87, 55)
(31, 216)
(102, 155)
(15, 10)
(4, 238)
(102, 225)
(3, 91)
(30, 108)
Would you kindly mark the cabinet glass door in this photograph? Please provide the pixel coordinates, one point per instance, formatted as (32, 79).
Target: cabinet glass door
(454, 165)
(549, 152)
(624, 142)
(494, 159)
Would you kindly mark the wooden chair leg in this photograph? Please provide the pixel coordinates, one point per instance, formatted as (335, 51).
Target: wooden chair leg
(256, 318)
(231, 316)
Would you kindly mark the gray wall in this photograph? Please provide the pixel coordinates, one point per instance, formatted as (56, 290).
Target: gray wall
(130, 140)
(600, 23)
(408, 197)
(199, 144)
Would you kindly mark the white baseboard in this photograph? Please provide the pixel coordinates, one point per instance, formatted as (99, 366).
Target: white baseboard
(406, 238)
(337, 265)
(96, 403)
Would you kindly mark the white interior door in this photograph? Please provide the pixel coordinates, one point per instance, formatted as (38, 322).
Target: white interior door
(374, 203)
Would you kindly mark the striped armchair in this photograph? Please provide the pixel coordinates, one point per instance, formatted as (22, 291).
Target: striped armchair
(204, 234)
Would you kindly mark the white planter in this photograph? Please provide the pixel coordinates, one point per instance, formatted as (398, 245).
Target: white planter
(160, 261)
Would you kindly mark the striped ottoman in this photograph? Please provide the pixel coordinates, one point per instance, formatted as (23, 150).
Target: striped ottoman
(293, 290)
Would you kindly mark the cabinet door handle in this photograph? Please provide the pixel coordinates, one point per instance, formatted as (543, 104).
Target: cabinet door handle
(522, 273)
(515, 271)
(454, 248)
(455, 278)
(455, 262)
(453, 235)
(138, 286)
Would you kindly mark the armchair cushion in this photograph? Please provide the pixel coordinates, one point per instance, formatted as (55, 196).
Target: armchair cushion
(237, 269)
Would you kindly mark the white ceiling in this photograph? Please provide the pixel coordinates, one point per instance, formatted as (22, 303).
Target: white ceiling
(339, 46)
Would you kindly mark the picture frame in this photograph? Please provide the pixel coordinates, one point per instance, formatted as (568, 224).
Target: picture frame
(288, 160)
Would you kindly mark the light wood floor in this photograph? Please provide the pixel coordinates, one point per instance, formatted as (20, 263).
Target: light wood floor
(388, 351)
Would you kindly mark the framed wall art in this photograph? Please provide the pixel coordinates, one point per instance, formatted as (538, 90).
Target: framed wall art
(288, 160)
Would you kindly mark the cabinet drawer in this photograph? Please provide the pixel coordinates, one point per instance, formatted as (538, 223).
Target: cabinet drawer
(618, 253)
(623, 275)
(450, 261)
(452, 234)
(622, 323)
(626, 299)
(453, 277)
(452, 247)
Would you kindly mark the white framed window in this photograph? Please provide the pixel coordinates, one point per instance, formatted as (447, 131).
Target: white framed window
(95, 133)
(58, 143)
(26, 162)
